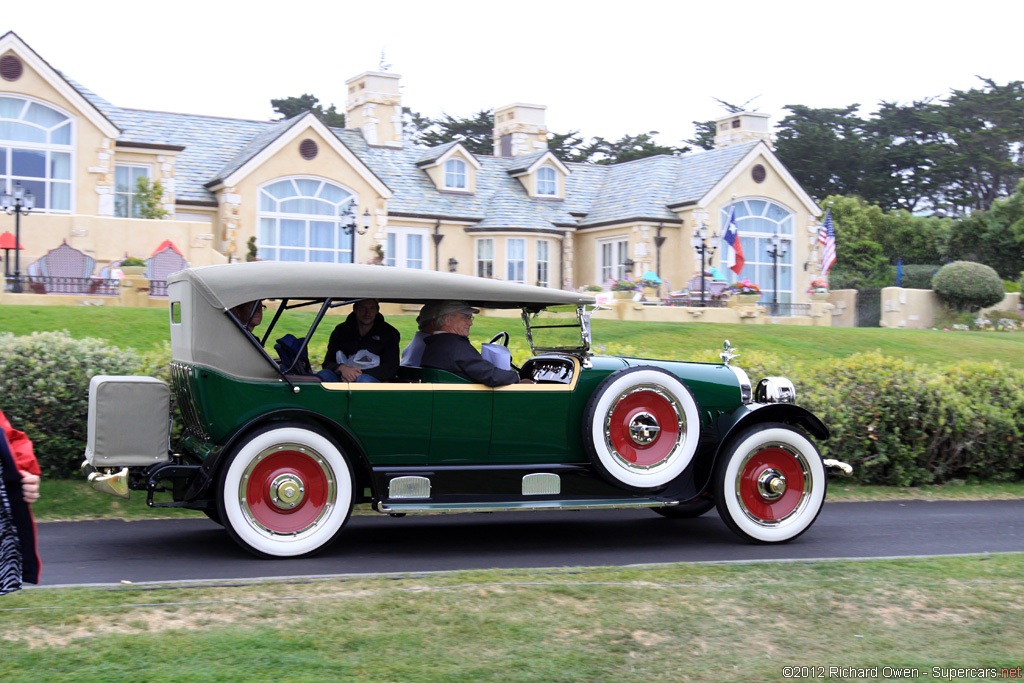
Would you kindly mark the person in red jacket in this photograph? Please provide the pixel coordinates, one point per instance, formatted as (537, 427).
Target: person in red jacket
(19, 475)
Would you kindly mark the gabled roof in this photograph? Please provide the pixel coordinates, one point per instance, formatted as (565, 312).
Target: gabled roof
(11, 42)
(218, 150)
(529, 162)
(440, 153)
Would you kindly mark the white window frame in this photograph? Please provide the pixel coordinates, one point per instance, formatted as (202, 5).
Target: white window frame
(542, 265)
(131, 194)
(756, 227)
(544, 182)
(483, 267)
(41, 187)
(396, 253)
(270, 221)
(617, 250)
(456, 170)
(515, 268)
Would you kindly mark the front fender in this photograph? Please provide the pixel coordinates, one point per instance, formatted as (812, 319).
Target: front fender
(756, 413)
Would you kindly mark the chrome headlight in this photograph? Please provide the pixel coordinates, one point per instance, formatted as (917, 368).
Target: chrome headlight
(775, 390)
(746, 393)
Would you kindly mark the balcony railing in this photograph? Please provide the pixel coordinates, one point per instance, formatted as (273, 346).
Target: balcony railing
(93, 286)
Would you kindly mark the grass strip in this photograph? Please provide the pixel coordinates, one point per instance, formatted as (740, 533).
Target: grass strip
(682, 622)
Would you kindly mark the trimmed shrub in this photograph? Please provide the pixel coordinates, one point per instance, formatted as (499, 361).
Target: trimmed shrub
(916, 276)
(968, 286)
(904, 425)
(44, 390)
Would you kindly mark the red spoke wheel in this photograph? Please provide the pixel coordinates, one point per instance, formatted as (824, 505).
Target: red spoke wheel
(641, 428)
(770, 483)
(286, 492)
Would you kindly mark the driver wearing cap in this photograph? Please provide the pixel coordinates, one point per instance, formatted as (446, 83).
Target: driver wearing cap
(449, 348)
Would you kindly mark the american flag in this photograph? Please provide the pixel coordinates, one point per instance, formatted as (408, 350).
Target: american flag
(827, 239)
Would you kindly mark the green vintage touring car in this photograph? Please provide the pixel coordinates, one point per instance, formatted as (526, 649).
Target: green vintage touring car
(279, 457)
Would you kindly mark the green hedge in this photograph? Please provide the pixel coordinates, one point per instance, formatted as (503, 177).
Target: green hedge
(44, 390)
(897, 423)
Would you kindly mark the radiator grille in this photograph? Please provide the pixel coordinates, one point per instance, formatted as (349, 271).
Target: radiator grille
(181, 384)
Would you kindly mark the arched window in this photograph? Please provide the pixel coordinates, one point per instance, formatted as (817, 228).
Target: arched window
(35, 152)
(547, 182)
(758, 220)
(455, 174)
(301, 219)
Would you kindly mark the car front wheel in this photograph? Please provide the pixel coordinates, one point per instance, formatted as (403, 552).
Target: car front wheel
(286, 492)
(770, 483)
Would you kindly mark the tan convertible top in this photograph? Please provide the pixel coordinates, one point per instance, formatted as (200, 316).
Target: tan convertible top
(203, 334)
(225, 286)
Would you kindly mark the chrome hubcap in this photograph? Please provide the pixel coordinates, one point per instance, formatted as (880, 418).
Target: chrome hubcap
(771, 484)
(287, 491)
(643, 428)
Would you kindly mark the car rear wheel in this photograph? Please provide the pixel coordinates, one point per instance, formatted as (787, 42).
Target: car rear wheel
(770, 483)
(641, 428)
(286, 492)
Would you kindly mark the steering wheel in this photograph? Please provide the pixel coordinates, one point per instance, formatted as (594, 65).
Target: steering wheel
(503, 336)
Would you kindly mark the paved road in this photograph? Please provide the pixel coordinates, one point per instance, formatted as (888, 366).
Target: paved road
(105, 552)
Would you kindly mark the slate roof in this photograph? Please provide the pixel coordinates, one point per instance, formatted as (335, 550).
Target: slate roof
(596, 195)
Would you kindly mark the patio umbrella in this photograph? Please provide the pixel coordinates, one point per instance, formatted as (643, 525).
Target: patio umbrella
(7, 243)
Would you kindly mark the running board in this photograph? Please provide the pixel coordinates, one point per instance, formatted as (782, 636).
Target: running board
(510, 506)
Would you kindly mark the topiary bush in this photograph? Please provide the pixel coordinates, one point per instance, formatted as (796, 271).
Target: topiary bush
(44, 390)
(968, 286)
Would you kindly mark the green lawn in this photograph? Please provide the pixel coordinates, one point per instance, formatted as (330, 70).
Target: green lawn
(746, 622)
(146, 329)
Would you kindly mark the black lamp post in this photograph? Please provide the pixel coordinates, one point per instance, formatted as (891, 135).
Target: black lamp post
(776, 249)
(703, 251)
(18, 202)
(659, 240)
(437, 237)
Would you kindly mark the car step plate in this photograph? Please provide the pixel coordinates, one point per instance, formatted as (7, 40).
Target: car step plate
(512, 506)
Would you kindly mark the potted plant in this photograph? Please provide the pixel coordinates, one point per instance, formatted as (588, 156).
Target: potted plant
(623, 289)
(131, 265)
(592, 288)
(745, 291)
(818, 290)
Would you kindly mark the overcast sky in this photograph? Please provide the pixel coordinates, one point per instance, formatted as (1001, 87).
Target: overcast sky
(605, 69)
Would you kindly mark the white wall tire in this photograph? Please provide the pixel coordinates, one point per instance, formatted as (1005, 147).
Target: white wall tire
(770, 484)
(286, 492)
(641, 428)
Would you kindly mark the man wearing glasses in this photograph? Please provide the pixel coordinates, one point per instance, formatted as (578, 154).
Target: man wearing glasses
(449, 348)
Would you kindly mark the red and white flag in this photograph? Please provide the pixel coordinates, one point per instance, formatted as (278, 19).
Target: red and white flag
(734, 246)
(827, 239)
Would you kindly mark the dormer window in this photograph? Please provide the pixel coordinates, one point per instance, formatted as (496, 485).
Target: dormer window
(547, 182)
(455, 175)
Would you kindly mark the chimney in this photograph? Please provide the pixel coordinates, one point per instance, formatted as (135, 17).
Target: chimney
(374, 105)
(519, 129)
(742, 127)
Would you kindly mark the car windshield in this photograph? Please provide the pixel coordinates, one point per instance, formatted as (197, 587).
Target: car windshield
(564, 329)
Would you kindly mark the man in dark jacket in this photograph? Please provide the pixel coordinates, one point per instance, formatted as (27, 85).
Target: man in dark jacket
(449, 348)
(369, 346)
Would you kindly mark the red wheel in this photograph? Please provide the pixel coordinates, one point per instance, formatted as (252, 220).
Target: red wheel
(770, 483)
(641, 428)
(287, 489)
(286, 492)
